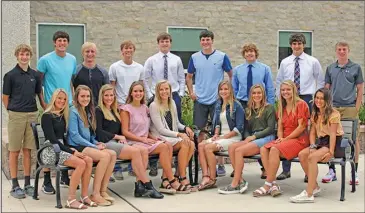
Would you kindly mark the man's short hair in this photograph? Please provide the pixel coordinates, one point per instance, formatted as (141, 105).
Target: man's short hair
(250, 46)
(164, 36)
(127, 44)
(206, 33)
(87, 45)
(342, 44)
(23, 48)
(61, 34)
(297, 37)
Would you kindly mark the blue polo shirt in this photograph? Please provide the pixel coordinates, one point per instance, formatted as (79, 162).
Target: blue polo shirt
(58, 72)
(209, 71)
(261, 74)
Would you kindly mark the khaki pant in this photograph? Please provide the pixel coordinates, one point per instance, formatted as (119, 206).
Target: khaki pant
(349, 113)
(19, 130)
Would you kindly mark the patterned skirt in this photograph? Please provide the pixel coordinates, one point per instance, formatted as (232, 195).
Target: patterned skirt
(48, 156)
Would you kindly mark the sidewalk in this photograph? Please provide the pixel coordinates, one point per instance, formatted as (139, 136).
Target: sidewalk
(210, 200)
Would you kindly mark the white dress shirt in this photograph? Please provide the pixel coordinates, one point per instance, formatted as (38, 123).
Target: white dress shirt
(154, 70)
(311, 74)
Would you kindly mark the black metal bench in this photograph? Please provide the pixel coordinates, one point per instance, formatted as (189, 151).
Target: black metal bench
(350, 128)
(40, 145)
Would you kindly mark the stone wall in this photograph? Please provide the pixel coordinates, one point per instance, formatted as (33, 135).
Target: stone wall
(234, 23)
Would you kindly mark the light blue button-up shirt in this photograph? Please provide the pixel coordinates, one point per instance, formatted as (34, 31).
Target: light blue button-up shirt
(261, 74)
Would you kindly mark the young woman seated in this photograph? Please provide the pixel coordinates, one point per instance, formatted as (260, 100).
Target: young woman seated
(259, 130)
(165, 124)
(81, 136)
(135, 127)
(109, 131)
(227, 126)
(54, 123)
(293, 115)
(326, 131)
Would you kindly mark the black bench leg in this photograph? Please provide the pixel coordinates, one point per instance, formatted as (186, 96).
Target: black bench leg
(58, 194)
(190, 167)
(343, 177)
(196, 168)
(36, 180)
(352, 163)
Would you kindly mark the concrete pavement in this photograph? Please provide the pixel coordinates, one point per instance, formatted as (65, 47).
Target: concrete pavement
(210, 200)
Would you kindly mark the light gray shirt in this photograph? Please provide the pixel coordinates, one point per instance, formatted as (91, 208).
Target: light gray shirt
(311, 74)
(154, 72)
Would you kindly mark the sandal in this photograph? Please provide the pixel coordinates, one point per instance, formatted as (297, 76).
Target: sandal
(91, 204)
(262, 191)
(107, 197)
(192, 188)
(208, 185)
(275, 190)
(167, 189)
(182, 189)
(69, 203)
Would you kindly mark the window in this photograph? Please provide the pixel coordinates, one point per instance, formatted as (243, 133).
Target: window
(45, 33)
(284, 49)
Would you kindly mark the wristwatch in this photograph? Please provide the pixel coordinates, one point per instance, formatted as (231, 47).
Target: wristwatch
(313, 146)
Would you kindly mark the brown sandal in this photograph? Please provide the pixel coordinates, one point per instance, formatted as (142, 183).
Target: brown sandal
(192, 188)
(209, 185)
(181, 189)
(167, 189)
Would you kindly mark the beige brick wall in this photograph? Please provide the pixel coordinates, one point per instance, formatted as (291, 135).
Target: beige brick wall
(234, 23)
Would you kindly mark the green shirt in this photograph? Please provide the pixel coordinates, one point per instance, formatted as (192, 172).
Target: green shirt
(262, 126)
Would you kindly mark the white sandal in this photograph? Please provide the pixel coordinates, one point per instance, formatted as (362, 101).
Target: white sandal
(262, 191)
(68, 205)
(91, 204)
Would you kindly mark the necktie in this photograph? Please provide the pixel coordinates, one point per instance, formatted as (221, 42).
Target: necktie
(297, 74)
(165, 70)
(249, 80)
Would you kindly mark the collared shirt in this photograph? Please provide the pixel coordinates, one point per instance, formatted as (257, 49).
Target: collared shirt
(311, 74)
(58, 73)
(261, 74)
(154, 70)
(21, 87)
(343, 81)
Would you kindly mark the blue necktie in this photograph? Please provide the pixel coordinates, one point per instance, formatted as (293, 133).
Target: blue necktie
(297, 74)
(249, 80)
(165, 70)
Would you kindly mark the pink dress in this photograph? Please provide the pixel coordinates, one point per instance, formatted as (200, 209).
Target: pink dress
(139, 124)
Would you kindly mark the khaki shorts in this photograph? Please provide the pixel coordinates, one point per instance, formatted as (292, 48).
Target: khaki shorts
(349, 113)
(19, 130)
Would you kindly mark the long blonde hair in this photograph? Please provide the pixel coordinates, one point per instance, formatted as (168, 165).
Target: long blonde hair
(107, 114)
(51, 106)
(89, 108)
(251, 102)
(282, 102)
(231, 98)
(158, 102)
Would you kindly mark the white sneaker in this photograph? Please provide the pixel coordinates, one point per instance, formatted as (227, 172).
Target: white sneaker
(316, 192)
(356, 179)
(302, 198)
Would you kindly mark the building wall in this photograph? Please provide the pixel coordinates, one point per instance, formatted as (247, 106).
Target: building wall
(234, 23)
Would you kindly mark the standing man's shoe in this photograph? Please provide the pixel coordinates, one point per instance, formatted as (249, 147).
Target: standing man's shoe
(48, 189)
(306, 179)
(329, 177)
(153, 171)
(221, 171)
(283, 176)
(118, 175)
(17, 193)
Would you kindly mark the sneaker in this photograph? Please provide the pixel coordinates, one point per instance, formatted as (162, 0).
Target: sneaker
(306, 179)
(232, 173)
(111, 179)
(283, 176)
(65, 183)
(118, 175)
(356, 179)
(48, 189)
(229, 190)
(329, 177)
(316, 192)
(221, 171)
(302, 198)
(17, 193)
(243, 186)
(132, 173)
(29, 190)
(153, 171)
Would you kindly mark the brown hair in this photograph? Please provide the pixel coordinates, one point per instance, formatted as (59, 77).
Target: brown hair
(342, 44)
(89, 109)
(130, 98)
(23, 48)
(127, 44)
(250, 46)
(163, 36)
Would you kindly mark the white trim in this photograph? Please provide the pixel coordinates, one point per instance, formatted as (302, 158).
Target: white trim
(294, 31)
(55, 24)
(182, 27)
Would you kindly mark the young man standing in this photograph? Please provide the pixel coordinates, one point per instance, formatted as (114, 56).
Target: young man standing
(346, 82)
(306, 72)
(21, 85)
(249, 73)
(209, 66)
(57, 68)
(121, 75)
(160, 66)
